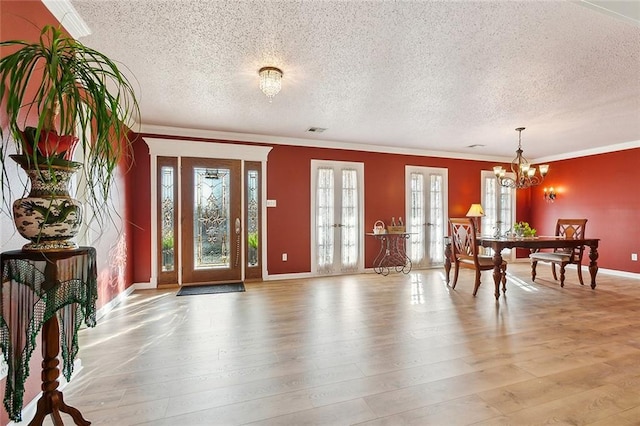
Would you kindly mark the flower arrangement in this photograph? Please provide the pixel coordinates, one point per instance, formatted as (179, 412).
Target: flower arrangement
(522, 229)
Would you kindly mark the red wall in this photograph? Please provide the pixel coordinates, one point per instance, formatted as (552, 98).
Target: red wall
(22, 20)
(288, 182)
(601, 188)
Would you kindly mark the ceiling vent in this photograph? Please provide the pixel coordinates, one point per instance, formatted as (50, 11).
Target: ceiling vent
(476, 145)
(316, 129)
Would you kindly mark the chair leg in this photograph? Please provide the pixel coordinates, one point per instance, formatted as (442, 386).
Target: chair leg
(477, 284)
(456, 269)
(553, 271)
(504, 279)
(579, 265)
(562, 266)
(534, 263)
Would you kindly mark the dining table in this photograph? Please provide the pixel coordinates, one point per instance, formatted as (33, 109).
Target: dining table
(498, 244)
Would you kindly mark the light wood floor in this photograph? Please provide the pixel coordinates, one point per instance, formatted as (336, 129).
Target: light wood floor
(372, 350)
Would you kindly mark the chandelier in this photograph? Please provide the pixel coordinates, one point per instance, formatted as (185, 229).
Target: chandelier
(270, 81)
(525, 173)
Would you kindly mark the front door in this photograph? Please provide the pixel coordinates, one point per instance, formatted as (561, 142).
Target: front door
(211, 221)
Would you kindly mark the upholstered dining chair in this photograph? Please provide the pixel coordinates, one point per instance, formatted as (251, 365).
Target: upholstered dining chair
(465, 251)
(565, 228)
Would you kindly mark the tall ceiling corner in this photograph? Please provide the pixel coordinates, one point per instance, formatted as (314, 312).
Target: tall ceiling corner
(67, 15)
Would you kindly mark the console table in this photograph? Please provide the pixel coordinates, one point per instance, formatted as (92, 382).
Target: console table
(53, 291)
(392, 254)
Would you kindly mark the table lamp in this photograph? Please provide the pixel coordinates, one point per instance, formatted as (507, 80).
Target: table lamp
(475, 211)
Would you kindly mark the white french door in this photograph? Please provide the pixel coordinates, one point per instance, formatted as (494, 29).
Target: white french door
(499, 203)
(426, 214)
(337, 200)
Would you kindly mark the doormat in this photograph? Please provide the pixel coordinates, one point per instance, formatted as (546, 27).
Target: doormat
(192, 290)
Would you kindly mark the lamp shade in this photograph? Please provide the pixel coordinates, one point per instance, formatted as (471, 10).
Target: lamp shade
(475, 210)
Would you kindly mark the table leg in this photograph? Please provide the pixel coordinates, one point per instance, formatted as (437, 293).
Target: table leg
(447, 260)
(497, 271)
(51, 401)
(593, 265)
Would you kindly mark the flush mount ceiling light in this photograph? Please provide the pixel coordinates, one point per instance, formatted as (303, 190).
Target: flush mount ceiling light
(270, 81)
(524, 174)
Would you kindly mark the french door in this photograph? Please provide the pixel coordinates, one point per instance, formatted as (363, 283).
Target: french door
(337, 200)
(499, 203)
(426, 214)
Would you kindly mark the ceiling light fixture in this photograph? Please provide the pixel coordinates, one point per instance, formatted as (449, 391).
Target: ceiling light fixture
(270, 81)
(525, 173)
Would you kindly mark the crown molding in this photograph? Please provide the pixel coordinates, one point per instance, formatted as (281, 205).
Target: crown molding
(68, 17)
(320, 143)
(311, 143)
(588, 152)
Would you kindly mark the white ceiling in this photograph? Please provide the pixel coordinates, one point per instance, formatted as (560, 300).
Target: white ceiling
(425, 75)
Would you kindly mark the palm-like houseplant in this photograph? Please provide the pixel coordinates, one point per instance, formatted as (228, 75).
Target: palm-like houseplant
(78, 95)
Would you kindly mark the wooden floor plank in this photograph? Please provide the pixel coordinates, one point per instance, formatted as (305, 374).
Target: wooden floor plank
(367, 349)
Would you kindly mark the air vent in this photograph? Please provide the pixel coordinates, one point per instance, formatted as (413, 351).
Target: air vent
(476, 145)
(316, 129)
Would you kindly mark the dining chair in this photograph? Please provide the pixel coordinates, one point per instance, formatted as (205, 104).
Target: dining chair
(466, 252)
(565, 228)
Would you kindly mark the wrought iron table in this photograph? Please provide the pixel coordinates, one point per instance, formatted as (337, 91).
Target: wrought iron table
(392, 254)
(55, 292)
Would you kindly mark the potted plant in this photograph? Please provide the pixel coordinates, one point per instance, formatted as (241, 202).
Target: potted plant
(252, 240)
(79, 96)
(522, 229)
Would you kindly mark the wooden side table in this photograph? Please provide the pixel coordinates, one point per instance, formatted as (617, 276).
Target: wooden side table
(49, 291)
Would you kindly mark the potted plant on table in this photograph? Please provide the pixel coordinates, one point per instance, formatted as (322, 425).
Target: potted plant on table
(80, 98)
(522, 229)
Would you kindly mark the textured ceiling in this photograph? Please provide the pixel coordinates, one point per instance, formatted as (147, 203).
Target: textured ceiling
(436, 76)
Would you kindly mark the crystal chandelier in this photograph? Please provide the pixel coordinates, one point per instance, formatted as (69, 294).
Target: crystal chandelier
(525, 173)
(270, 81)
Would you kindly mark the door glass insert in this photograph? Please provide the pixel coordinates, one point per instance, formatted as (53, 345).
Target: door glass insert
(211, 222)
(252, 218)
(416, 218)
(436, 219)
(325, 218)
(167, 217)
(349, 222)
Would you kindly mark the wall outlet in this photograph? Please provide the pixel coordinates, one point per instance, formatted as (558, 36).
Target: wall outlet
(634, 257)
(284, 257)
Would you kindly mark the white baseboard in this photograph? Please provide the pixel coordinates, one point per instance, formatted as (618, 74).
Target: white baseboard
(108, 307)
(143, 286)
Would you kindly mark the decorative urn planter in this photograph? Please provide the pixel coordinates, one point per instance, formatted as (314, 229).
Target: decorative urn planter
(48, 216)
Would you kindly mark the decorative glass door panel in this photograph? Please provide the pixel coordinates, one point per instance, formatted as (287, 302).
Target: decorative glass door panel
(253, 207)
(167, 224)
(426, 195)
(337, 216)
(212, 239)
